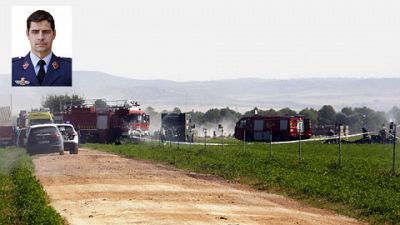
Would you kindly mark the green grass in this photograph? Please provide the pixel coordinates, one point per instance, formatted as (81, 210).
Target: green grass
(7, 209)
(362, 186)
(9, 157)
(22, 198)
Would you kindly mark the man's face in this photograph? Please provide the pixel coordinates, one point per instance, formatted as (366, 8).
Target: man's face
(41, 37)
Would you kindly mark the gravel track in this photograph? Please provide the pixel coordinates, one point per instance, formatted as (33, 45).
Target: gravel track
(94, 187)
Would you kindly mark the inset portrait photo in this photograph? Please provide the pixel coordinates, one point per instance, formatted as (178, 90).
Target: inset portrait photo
(41, 46)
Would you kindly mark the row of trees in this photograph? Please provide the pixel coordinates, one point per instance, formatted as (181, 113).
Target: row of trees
(355, 118)
(58, 103)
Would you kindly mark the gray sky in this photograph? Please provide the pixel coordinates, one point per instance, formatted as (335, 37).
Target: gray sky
(221, 39)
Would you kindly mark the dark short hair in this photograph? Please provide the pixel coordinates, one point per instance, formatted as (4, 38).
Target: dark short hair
(38, 16)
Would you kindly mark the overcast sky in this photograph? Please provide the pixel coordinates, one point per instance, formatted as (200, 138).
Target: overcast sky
(221, 39)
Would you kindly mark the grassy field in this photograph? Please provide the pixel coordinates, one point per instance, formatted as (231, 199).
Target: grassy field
(22, 199)
(362, 186)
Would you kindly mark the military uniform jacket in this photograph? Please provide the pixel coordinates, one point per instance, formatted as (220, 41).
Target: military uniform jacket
(59, 72)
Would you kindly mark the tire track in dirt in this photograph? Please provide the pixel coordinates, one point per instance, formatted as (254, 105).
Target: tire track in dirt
(98, 188)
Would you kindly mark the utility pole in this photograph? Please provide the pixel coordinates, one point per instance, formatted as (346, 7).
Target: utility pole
(394, 127)
(11, 106)
(300, 146)
(192, 126)
(220, 127)
(205, 138)
(190, 140)
(177, 134)
(270, 143)
(299, 130)
(244, 140)
(340, 145)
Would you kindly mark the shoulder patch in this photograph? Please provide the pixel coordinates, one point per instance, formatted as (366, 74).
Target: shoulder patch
(15, 59)
(65, 59)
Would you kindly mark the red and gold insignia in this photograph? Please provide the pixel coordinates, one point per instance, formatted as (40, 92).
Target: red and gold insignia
(25, 65)
(22, 82)
(55, 65)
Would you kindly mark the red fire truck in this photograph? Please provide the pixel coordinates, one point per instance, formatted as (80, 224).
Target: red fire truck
(7, 134)
(7, 130)
(277, 128)
(106, 125)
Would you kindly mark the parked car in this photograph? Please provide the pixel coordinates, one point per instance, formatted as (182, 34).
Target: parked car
(44, 138)
(70, 136)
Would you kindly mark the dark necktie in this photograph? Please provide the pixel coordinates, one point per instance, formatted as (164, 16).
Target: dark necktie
(41, 72)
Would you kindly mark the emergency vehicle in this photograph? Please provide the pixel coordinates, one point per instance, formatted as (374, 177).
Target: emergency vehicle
(106, 125)
(176, 127)
(26, 119)
(34, 117)
(7, 130)
(275, 128)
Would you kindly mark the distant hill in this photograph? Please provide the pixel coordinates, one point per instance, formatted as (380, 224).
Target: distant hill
(238, 94)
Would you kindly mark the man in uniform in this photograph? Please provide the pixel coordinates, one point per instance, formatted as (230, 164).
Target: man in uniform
(40, 67)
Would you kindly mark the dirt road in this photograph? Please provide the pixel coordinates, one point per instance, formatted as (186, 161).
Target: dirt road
(98, 188)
